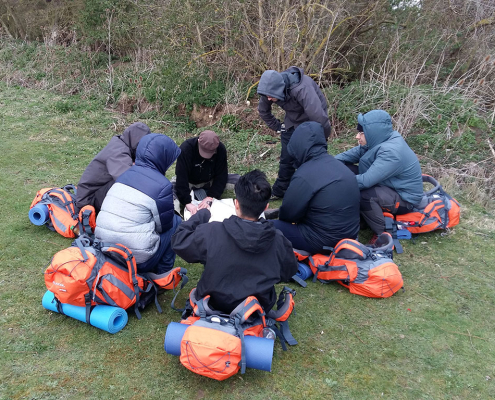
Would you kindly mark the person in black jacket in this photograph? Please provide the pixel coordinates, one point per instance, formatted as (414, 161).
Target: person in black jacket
(243, 255)
(302, 100)
(111, 162)
(201, 164)
(321, 205)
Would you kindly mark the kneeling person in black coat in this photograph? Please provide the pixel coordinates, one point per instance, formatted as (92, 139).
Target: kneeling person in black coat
(321, 205)
(243, 255)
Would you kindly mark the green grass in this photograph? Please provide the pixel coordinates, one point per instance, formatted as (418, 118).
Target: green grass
(434, 340)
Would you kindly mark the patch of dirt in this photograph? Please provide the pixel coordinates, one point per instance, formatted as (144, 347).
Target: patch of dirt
(127, 105)
(247, 115)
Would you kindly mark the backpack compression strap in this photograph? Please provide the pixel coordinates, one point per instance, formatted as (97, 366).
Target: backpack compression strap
(158, 280)
(128, 257)
(391, 227)
(66, 198)
(285, 306)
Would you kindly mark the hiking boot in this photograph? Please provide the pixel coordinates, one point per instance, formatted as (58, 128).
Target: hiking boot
(271, 213)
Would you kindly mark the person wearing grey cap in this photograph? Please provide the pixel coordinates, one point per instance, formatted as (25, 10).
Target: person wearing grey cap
(302, 100)
(201, 164)
(111, 162)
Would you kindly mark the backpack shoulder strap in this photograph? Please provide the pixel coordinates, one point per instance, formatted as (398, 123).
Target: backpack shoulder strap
(285, 306)
(128, 257)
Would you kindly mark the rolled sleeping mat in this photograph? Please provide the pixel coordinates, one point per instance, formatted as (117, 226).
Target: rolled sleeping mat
(38, 215)
(107, 318)
(259, 351)
(304, 271)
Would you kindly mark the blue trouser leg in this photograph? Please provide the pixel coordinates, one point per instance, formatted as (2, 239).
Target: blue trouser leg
(293, 234)
(164, 258)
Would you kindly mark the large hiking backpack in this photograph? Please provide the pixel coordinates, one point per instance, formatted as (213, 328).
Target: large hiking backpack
(366, 271)
(214, 344)
(437, 210)
(62, 214)
(88, 274)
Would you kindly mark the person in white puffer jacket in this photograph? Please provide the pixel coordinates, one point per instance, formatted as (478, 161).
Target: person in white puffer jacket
(138, 210)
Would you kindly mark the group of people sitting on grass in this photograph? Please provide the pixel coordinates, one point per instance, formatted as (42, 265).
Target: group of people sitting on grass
(325, 198)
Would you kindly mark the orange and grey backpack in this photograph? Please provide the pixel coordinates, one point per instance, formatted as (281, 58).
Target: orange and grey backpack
(437, 210)
(55, 207)
(88, 274)
(366, 271)
(214, 344)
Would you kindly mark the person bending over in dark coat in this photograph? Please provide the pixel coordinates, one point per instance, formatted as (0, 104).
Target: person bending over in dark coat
(388, 172)
(321, 205)
(302, 100)
(115, 158)
(243, 255)
(201, 164)
(138, 210)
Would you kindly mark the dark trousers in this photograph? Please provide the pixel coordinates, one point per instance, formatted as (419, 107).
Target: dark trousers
(163, 259)
(377, 199)
(285, 168)
(292, 232)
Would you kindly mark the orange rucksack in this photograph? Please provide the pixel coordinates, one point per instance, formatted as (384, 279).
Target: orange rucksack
(100, 273)
(62, 213)
(366, 271)
(437, 210)
(214, 343)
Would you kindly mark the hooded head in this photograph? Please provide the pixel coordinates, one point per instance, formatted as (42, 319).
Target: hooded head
(307, 142)
(377, 127)
(272, 84)
(133, 134)
(156, 151)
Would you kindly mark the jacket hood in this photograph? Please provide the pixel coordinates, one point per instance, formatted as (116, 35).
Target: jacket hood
(307, 142)
(253, 237)
(276, 84)
(156, 151)
(292, 76)
(272, 84)
(133, 134)
(377, 127)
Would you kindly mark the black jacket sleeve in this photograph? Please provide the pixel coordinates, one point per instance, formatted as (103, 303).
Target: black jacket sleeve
(265, 111)
(190, 243)
(182, 168)
(220, 173)
(289, 265)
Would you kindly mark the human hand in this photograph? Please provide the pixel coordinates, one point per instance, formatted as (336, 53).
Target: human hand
(206, 203)
(193, 209)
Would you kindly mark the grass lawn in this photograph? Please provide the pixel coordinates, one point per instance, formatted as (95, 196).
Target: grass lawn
(434, 340)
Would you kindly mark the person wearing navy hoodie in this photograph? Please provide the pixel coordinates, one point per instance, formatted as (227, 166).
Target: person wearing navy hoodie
(302, 100)
(138, 210)
(388, 172)
(321, 205)
(242, 256)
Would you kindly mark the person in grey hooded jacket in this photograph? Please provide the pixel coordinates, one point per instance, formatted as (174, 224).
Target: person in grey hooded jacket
(388, 173)
(138, 210)
(302, 100)
(321, 205)
(115, 158)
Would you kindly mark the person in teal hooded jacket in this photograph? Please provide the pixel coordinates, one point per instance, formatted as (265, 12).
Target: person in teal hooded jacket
(388, 172)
